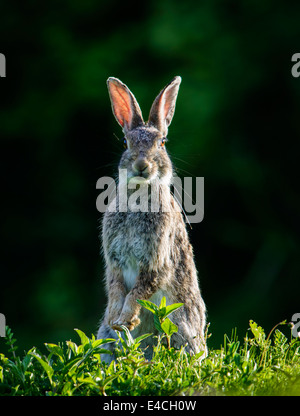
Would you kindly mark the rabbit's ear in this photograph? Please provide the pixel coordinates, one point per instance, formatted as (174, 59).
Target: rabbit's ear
(124, 105)
(163, 107)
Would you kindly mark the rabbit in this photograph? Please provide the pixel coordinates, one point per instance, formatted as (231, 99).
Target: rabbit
(148, 254)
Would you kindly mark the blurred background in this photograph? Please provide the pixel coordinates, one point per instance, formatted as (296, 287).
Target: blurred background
(236, 123)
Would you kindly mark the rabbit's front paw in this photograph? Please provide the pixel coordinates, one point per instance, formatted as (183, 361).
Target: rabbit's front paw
(135, 321)
(113, 319)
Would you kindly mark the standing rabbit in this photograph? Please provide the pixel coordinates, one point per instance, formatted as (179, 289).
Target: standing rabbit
(148, 254)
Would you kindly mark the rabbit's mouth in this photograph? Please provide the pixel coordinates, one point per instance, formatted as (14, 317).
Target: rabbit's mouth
(138, 180)
(150, 178)
(141, 178)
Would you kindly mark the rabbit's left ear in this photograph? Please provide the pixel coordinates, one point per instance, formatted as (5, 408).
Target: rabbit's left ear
(163, 107)
(124, 105)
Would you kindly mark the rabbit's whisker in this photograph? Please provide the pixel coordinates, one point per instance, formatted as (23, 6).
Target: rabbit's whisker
(182, 209)
(181, 160)
(185, 192)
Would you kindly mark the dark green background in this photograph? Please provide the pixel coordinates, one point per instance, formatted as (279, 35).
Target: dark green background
(236, 123)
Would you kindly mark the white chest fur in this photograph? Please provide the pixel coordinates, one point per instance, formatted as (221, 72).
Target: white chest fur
(130, 273)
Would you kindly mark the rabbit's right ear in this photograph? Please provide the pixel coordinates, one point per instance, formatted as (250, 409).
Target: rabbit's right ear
(124, 105)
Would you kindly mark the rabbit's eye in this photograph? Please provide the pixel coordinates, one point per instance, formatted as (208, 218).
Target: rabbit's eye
(163, 142)
(125, 143)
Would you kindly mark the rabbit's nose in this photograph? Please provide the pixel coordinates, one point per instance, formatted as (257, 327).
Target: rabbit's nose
(140, 165)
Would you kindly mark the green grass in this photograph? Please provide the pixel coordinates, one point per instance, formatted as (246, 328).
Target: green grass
(257, 365)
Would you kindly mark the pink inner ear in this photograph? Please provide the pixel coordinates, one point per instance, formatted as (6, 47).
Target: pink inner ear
(121, 103)
(166, 108)
(167, 102)
(163, 107)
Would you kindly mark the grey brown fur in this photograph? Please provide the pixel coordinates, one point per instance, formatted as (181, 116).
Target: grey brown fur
(148, 254)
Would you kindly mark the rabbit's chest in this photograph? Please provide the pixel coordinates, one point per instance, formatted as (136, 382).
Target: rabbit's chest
(130, 273)
(132, 246)
(130, 242)
(131, 250)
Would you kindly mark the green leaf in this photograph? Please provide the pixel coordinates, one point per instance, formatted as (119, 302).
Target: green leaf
(86, 380)
(71, 364)
(142, 337)
(26, 361)
(73, 347)
(148, 305)
(169, 327)
(172, 308)
(101, 341)
(127, 335)
(198, 355)
(56, 350)
(49, 371)
(157, 323)
(258, 333)
(67, 390)
(163, 303)
(83, 338)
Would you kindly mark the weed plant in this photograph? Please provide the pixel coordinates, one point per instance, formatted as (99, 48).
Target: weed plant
(260, 364)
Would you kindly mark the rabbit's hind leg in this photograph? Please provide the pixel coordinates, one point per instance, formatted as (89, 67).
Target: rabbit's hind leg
(192, 340)
(106, 332)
